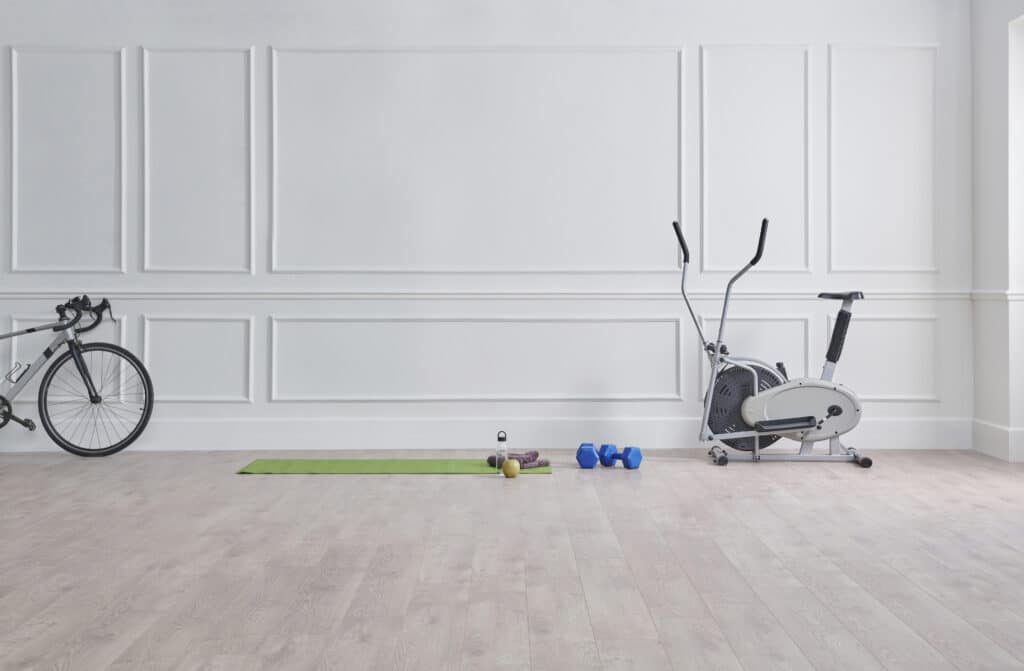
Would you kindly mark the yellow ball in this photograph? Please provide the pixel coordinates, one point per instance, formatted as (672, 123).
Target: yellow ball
(510, 468)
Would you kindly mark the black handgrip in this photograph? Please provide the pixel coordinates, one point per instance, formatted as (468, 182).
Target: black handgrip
(835, 347)
(682, 242)
(74, 321)
(97, 315)
(760, 242)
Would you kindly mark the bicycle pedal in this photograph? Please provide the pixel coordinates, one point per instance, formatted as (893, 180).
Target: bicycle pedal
(27, 423)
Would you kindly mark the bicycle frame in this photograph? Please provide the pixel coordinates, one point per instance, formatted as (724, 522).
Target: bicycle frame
(64, 335)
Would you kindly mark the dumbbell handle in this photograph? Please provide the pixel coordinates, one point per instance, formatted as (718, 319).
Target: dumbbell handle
(613, 457)
(617, 456)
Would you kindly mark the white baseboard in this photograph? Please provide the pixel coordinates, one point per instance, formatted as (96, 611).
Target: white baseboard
(999, 441)
(448, 433)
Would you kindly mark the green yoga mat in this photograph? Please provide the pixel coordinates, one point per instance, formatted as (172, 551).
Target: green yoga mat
(377, 467)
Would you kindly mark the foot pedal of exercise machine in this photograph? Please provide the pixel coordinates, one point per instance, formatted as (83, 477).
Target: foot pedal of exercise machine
(786, 424)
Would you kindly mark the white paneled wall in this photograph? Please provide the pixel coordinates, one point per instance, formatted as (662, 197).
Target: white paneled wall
(351, 225)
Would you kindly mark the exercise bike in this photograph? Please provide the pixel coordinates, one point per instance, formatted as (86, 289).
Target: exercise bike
(750, 404)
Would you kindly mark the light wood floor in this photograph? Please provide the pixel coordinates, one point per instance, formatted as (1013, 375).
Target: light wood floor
(170, 561)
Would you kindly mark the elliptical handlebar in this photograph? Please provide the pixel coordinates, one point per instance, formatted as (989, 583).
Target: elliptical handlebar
(682, 283)
(682, 241)
(728, 290)
(760, 242)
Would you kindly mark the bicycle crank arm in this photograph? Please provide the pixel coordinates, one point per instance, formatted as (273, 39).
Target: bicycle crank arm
(27, 423)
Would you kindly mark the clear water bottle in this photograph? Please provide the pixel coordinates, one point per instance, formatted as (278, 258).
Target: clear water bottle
(501, 452)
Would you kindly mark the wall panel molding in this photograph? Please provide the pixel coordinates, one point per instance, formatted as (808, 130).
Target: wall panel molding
(197, 372)
(121, 89)
(147, 54)
(834, 265)
(317, 294)
(1003, 296)
(276, 53)
(933, 396)
(803, 320)
(275, 339)
(756, 107)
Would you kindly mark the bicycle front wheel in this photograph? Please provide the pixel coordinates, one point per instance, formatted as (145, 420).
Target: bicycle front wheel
(89, 429)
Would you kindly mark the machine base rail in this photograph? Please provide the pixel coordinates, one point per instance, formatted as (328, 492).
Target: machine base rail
(837, 452)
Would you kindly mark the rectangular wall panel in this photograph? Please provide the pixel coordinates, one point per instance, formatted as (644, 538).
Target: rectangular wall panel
(198, 160)
(474, 359)
(754, 153)
(199, 358)
(890, 359)
(472, 160)
(882, 159)
(68, 160)
(769, 338)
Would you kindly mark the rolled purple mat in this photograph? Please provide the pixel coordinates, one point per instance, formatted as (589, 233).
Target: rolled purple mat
(522, 457)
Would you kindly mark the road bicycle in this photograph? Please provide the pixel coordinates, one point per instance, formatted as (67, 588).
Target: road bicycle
(96, 398)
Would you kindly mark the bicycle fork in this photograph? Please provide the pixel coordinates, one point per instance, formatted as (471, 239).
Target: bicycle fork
(83, 370)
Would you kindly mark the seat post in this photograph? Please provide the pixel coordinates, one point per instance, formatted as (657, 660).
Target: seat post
(835, 346)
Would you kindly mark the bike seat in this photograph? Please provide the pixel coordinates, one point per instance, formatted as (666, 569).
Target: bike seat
(843, 296)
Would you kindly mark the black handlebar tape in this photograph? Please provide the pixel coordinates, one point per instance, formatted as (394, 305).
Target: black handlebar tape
(97, 313)
(71, 324)
(682, 242)
(760, 242)
(835, 347)
(96, 321)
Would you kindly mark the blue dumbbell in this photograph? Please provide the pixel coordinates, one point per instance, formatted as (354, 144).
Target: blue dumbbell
(630, 456)
(586, 455)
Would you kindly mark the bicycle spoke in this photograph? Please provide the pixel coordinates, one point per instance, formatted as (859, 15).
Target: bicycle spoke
(95, 428)
(66, 424)
(68, 412)
(123, 414)
(76, 416)
(111, 376)
(103, 424)
(114, 418)
(68, 389)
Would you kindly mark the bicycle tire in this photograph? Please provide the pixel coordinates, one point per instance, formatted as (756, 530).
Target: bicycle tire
(68, 443)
